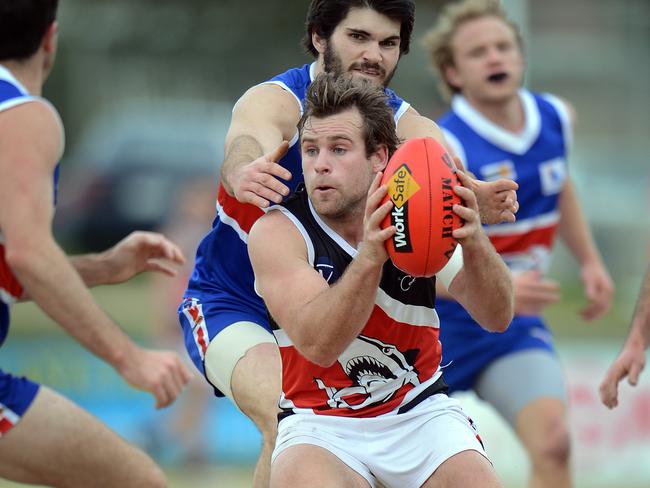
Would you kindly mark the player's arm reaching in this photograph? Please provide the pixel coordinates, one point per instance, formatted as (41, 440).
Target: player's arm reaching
(483, 286)
(138, 252)
(263, 119)
(574, 231)
(631, 360)
(279, 257)
(497, 200)
(31, 140)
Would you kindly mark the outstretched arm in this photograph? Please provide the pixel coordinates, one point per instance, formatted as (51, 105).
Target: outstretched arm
(574, 231)
(631, 360)
(30, 144)
(497, 200)
(263, 119)
(136, 253)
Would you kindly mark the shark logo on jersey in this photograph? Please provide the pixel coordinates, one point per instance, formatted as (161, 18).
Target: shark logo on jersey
(377, 371)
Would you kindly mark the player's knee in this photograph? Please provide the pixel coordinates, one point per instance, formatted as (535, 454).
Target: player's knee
(269, 429)
(554, 448)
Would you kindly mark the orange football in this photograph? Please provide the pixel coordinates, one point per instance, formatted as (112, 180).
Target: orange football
(420, 178)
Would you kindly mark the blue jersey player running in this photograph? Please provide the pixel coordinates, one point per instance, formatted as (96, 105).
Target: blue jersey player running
(501, 130)
(44, 438)
(224, 321)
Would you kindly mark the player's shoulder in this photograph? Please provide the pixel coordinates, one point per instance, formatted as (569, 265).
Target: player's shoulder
(35, 119)
(274, 232)
(560, 105)
(268, 99)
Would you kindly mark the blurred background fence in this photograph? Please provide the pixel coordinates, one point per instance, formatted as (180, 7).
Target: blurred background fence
(145, 90)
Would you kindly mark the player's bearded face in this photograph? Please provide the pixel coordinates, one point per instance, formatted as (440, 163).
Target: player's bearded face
(333, 63)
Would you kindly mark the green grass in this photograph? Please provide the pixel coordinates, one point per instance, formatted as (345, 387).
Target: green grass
(130, 304)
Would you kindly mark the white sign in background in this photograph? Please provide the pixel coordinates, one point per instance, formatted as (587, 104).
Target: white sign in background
(610, 448)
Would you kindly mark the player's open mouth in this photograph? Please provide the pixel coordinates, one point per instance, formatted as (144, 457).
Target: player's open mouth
(324, 188)
(497, 77)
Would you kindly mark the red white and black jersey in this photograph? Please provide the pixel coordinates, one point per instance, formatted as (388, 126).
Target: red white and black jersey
(391, 366)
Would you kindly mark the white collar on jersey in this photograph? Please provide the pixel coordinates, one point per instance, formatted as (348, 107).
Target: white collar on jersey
(6, 75)
(514, 143)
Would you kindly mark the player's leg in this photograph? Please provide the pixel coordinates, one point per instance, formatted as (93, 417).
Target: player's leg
(313, 466)
(229, 341)
(467, 468)
(56, 443)
(527, 388)
(243, 361)
(433, 445)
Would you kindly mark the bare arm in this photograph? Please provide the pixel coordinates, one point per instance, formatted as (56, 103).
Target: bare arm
(574, 231)
(262, 119)
(320, 320)
(30, 143)
(136, 253)
(497, 200)
(631, 360)
(483, 286)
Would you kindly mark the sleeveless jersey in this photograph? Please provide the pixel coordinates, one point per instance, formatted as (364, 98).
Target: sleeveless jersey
(222, 269)
(12, 93)
(537, 159)
(394, 362)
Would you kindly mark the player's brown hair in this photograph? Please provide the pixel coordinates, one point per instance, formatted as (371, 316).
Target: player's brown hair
(330, 94)
(437, 41)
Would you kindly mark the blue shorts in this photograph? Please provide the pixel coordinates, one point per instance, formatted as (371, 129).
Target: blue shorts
(202, 318)
(467, 349)
(16, 396)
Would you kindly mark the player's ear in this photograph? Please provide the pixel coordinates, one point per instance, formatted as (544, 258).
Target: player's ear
(452, 76)
(379, 158)
(50, 38)
(319, 43)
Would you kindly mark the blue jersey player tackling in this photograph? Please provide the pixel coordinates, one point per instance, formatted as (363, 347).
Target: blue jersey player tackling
(224, 321)
(500, 130)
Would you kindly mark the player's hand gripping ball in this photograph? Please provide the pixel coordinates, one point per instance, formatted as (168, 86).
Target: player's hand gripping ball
(420, 178)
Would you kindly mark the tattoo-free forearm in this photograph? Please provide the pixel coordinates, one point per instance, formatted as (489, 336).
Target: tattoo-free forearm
(640, 328)
(489, 289)
(329, 323)
(242, 150)
(52, 283)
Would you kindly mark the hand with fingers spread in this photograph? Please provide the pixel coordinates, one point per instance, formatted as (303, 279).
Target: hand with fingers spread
(373, 246)
(533, 292)
(497, 200)
(161, 373)
(258, 182)
(139, 252)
